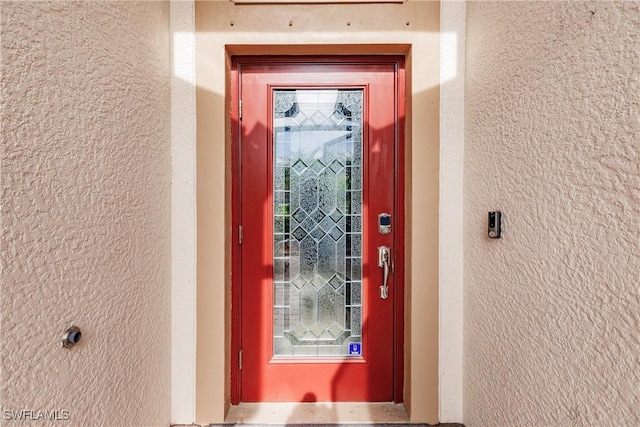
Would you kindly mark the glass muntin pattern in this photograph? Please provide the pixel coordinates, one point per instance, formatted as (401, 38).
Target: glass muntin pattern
(317, 239)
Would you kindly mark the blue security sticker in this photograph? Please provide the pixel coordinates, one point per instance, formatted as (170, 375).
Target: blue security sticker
(355, 349)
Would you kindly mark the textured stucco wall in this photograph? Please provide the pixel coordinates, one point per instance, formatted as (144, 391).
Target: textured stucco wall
(85, 179)
(552, 310)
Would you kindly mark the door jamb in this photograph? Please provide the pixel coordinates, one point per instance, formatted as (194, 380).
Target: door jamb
(234, 132)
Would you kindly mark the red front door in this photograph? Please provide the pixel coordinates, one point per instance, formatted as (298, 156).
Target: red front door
(318, 211)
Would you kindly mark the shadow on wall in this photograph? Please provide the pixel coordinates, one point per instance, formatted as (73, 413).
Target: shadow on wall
(208, 208)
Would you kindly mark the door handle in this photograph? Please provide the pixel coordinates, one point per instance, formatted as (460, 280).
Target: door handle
(384, 257)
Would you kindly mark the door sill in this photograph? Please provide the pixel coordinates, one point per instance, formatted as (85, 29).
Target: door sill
(317, 413)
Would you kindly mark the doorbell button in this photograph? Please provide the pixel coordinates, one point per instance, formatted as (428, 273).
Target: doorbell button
(495, 224)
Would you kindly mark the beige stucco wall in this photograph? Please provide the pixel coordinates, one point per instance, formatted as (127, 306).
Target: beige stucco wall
(552, 325)
(85, 177)
(223, 28)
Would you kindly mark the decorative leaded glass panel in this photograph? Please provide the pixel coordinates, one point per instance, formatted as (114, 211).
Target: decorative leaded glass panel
(317, 194)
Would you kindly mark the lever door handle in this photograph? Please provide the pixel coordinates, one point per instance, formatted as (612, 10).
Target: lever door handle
(384, 256)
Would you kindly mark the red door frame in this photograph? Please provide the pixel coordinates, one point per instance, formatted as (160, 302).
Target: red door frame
(399, 164)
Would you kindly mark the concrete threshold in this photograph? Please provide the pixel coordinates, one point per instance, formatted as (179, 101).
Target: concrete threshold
(317, 413)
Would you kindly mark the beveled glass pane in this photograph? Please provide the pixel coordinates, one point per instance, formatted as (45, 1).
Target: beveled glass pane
(317, 196)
